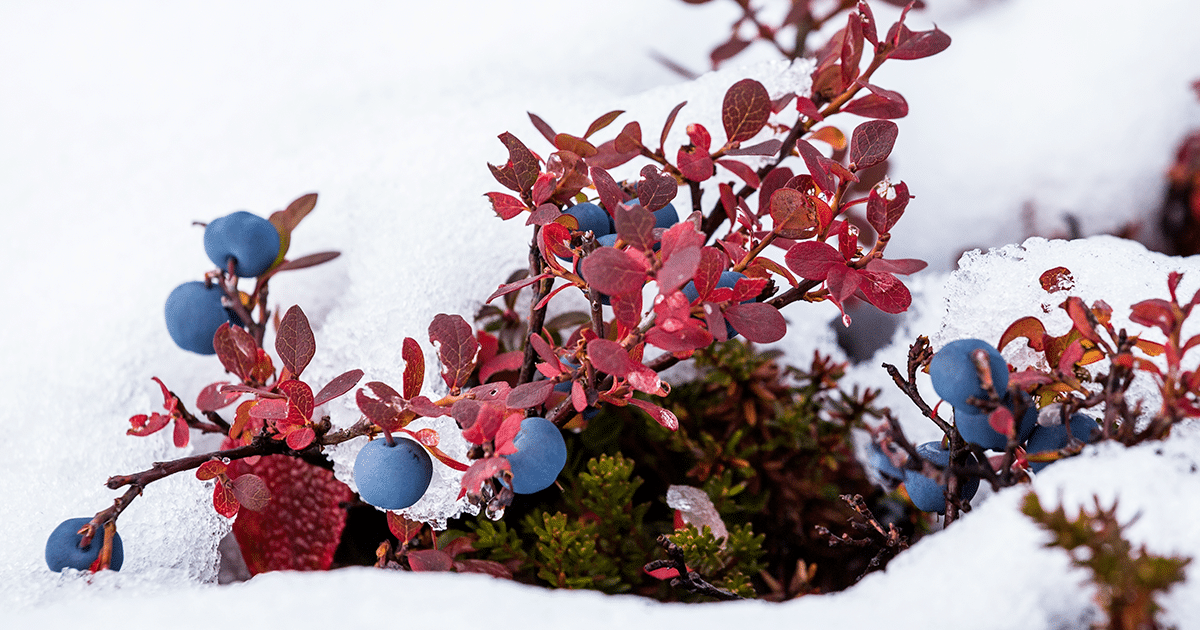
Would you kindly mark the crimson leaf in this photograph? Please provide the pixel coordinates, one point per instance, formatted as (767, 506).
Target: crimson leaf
(745, 110)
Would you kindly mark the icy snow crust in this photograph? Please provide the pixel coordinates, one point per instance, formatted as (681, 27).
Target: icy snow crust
(123, 123)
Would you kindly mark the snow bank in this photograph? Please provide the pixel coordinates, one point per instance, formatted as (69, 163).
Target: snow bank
(123, 123)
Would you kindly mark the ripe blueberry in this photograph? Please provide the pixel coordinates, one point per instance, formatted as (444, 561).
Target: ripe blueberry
(250, 240)
(541, 455)
(927, 494)
(62, 548)
(392, 477)
(1054, 437)
(955, 378)
(194, 313)
(591, 218)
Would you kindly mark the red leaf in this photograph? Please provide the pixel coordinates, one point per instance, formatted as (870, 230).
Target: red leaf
(700, 137)
(688, 338)
(300, 395)
(611, 357)
(757, 322)
(852, 48)
(660, 415)
(402, 528)
(748, 289)
(481, 471)
(456, 346)
(1154, 312)
(774, 180)
(211, 398)
(414, 367)
(236, 350)
(382, 410)
(543, 187)
(488, 567)
(656, 189)
(902, 266)
(505, 289)
(678, 269)
(807, 108)
(708, 272)
(578, 146)
(602, 122)
(543, 214)
(294, 341)
(299, 439)
(1057, 279)
(301, 526)
(814, 161)
(506, 206)
(425, 437)
(744, 172)
(270, 409)
(883, 213)
(608, 189)
(1001, 421)
(181, 433)
(745, 110)
(662, 139)
(919, 45)
(529, 395)
(615, 271)
(338, 386)
(695, 164)
(664, 573)
(522, 168)
(880, 103)
(728, 49)
(1072, 355)
(628, 308)
(542, 126)
(251, 491)
(1028, 327)
(635, 226)
(872, 142)
(224, 501)
(630, 138)
(1078, 312)
(813, 259)
(795, 214)
(885, 291)
(767, 148)
(304, 262)
(425, 407)
(479, 421)
(429, 560)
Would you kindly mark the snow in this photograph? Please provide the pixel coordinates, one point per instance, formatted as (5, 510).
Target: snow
(123, 123)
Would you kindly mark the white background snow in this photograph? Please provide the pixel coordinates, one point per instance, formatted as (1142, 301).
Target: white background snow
(122, 122)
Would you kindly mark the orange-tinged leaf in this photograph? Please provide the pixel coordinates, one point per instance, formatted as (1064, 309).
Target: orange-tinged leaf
(832, 136)
(402, 528)
(1057, 279)
(602, 122)
(1031, 328)
(211, 469)
(1078, 313)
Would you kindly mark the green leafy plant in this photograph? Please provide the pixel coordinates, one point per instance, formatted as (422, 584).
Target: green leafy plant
(1128, 580)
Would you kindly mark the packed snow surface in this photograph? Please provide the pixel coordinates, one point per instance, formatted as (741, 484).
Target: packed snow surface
(124, 122)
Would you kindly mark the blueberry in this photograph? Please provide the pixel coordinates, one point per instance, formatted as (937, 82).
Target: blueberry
(392, 477)
(592, 218)
(973, 425)
(884, 466)
(541, 455)
(1052, 438)
(955, 378)
(666, 216)
(194, 313)
(250, 240)
(927, 494)
(62, 548)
